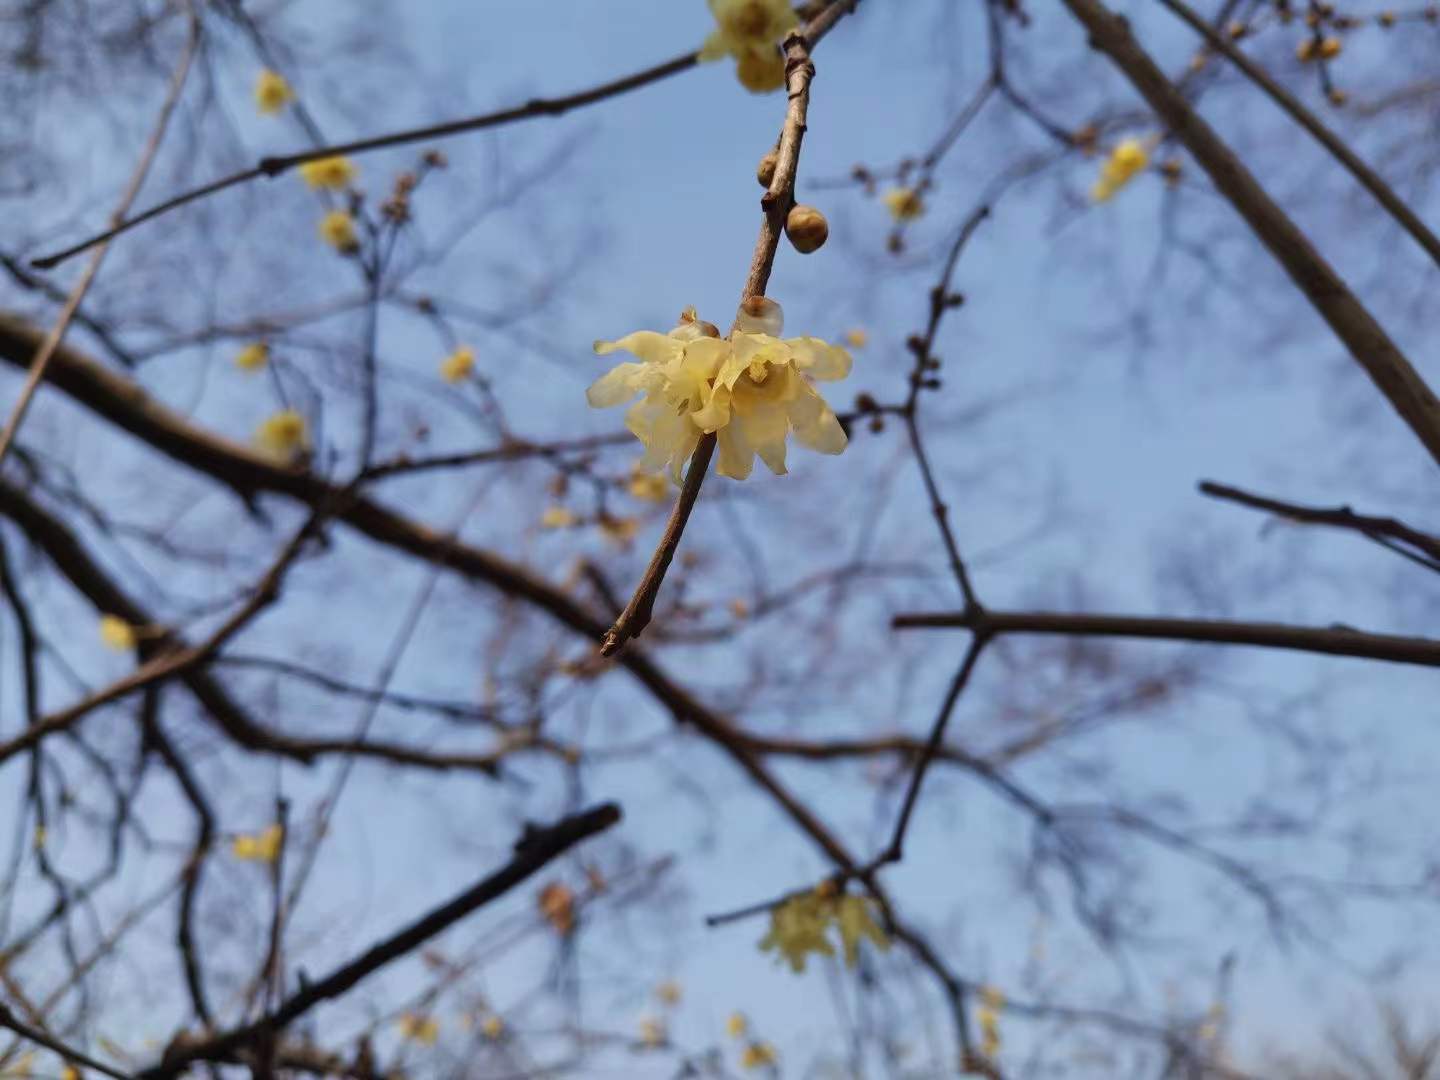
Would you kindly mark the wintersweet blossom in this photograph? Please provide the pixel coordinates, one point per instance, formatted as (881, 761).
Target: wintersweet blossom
(492, 1027)
(263, 846)
(336, 173)
(750, 31)
(557, 517)
(117, 634)
(424, 1030)
(1129, 157)
(652, 1032)
(857, 338)
(751, 390)
(904, 204)
(283, 435)
(458, 364)
(801, 924)
(272, 92)
(988, 1018)
(337, 228)
(253, 357)
(736, 1025)
(648, 486)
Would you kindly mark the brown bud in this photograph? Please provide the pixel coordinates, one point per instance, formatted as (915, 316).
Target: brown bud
(765, 171)
(807, 228)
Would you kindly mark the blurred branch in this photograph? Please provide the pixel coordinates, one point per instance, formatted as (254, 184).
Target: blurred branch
(36, 374)
(1389, 369)
(535, 849)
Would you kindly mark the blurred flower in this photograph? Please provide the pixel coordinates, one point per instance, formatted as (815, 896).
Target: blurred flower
(337, 228)
(619, 530)
(988, 1017)
(857, 338)
(41, 835)
(668, 993)
(272, 92)
(492, 1027)
(1128, 158)
(70, 1072)
(21, 1066)
(852, 916)
(424, 1030)
(649, 486)
(757, 1055)
(283, 435)
(750, 31)
(458, 364)
(736, 1025)
(800, 925)
(557, 905)
(117, 634)
(335, 173)
(652, 1032)
(739, 608)
(557, 517)
(253, 357)
(263, 846)
(904, 204)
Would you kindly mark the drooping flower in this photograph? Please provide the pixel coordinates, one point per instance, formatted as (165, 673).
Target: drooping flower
(1129, 157)
(336, 173)
(117, 634)
(750, 31)
(458, 364)
(674, 375)
(283, 435)
(337, 228)
(801, 924)
(904, 204)
(751, 390)
(253, 357)
(272, 92)
(263, 846)
(763, 392)
(757, 1055)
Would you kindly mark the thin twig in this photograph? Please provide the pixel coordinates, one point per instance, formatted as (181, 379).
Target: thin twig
(274, 166)
(52, 340)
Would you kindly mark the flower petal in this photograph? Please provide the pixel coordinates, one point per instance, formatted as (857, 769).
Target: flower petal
(815, 423)
(765, 429)
(716, 413)
(760, 315)
(616, 386)
(819, 359)
(737, 457)
(649, 346)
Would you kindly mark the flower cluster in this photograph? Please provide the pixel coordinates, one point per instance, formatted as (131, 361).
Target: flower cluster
(750, 31)
(1129, 157)
(801, 925)
(751, 390)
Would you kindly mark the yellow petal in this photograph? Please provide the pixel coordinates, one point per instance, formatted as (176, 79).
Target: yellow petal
(117, 634)
(616, 386)
(649, 346)
(815, 423)
(819, 359)
(737, 457)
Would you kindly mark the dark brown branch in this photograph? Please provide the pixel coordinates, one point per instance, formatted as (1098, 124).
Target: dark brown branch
(533, 851)
(1389, 369)
(1342, 517)
(274, 166)
(1334, 641)
(40, 1038)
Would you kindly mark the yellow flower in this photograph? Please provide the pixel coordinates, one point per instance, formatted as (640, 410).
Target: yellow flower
(458, 364)
(904, 204)
(757, 1055)
(739, 608)
(797, 927)
(336, 173)
(763, 391)
(1129, 157)
(557, 905)
(651, 487)
(556, 517)
(736, 1025)
(70, 1072)
(668, 993)
(492, 1027)
(619, 530)
(272, 92)
(337, 228)
(263, 846)
(853, 918)
(253, 357)
(857, 338)
(21, 1066)
(284, 436)
(652, 1032)
(118, 634)
(750, 31)
(988, 1017)
(424, 1030)
(41, 835)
